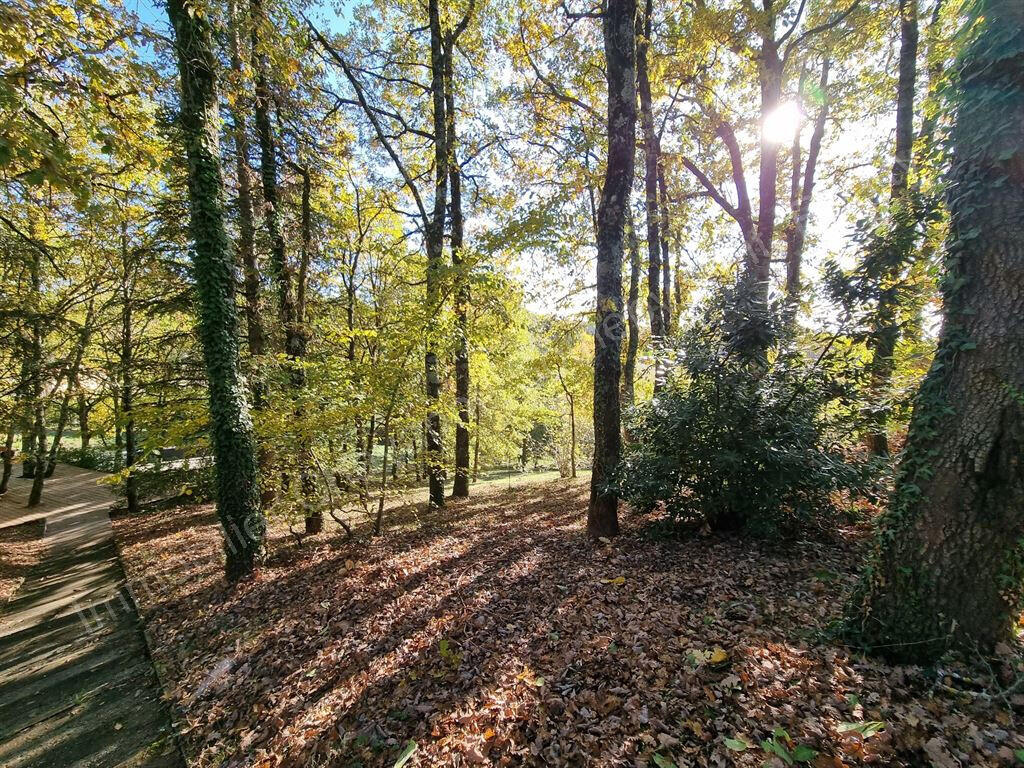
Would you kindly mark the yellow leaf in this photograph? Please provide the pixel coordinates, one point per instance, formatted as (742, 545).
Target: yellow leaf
(617, 581)
(718, 656)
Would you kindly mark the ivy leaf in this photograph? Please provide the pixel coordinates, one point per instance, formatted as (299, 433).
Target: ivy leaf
(866, 729)
(804, 754)
(738, 745)
(407, 753)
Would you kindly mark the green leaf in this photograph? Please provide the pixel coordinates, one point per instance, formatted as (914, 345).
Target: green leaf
(1019, 754)
(804, 754)
(865, 729)
(778, 749)
(407, 753)
(738, 745)
(662, 762)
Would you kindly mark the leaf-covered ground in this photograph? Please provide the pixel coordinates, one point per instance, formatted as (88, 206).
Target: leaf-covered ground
(494, 633)
(20, 549)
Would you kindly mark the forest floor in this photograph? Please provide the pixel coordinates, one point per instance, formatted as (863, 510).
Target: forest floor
(21, 547)
(494, 633)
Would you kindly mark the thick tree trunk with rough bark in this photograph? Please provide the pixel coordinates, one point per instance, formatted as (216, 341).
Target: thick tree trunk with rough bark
(619, 27)
(948, 568)
(238, 498)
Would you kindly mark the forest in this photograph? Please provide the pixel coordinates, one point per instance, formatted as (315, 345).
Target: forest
(512, 382)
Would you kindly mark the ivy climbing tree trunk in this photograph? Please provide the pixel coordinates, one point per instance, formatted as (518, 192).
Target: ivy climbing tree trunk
(619, 28)
(948, 569)
(238, 499)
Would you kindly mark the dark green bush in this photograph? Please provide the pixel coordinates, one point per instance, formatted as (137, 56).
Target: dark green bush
(744, 442)
(194, 482)
(88, 458)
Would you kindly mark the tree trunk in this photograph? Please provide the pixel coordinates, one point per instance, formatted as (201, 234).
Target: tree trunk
(128, 375)
(572, 436)
(238, 499)
(460, 486)
(378, 522)
(885, 332)
(115, 397)
(759, 266)
(38, 441)
(947, 569)
(800, 196)
(434, 445)
(289, 295)
(666, 265)
(246, 227)
(476, 436)
(28, 466)
(84, 431)
(619, 29)
(652, 158)
(8, 460)
(72, 380)
(632, 321)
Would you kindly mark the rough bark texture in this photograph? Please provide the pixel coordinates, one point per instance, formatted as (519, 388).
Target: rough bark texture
(948, 566)
(238, 500)
(619, 27)
(885, 332)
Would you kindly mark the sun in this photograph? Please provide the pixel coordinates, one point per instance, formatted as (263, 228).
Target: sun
(781, 124)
